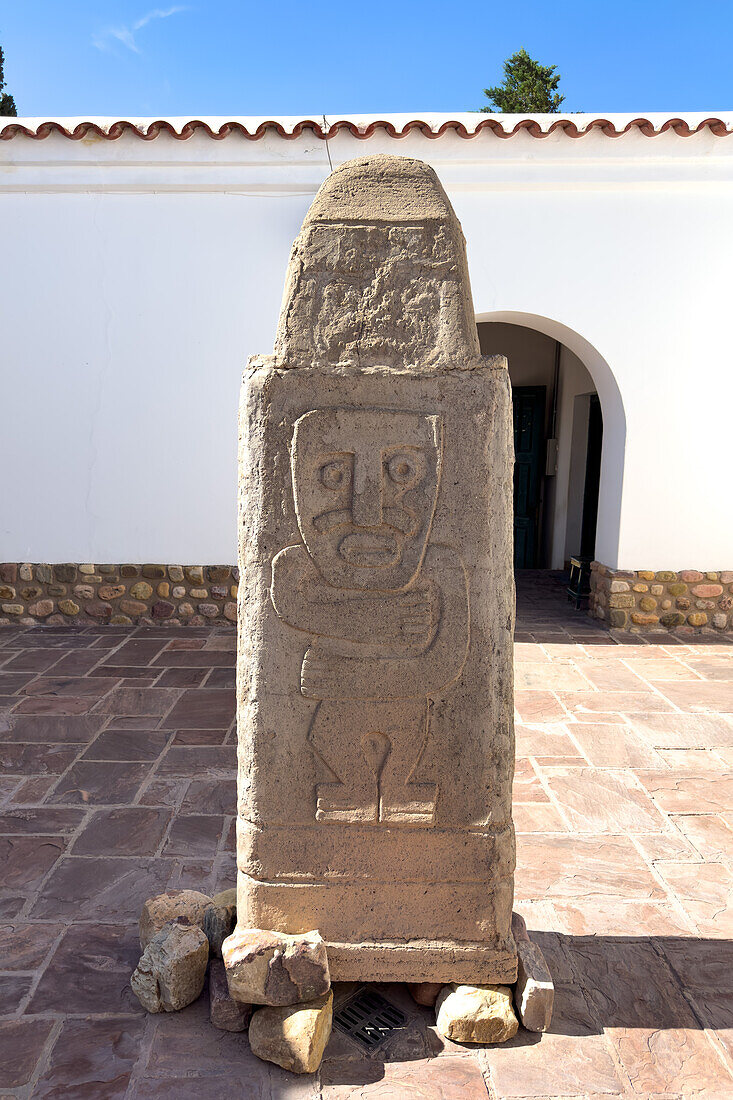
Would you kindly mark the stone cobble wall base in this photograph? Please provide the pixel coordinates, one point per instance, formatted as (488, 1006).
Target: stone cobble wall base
(119, 594)
(640, 601)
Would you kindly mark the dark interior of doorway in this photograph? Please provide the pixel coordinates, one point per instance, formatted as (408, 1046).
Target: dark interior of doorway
(529, 404)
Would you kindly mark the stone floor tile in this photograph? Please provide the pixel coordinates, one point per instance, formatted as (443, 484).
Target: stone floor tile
(137, 745)
(56, 704)
(11, 683)
(53, 729)
(613, 702)
(26, 860)
(194, 835)
(138, 651)
(606, 745)
(549, 676)
(582, 867)
(664, 666)
(186, 1045)
(40, 821)
(196, 658)
(600, 800)
(537, 817)
(163, 792)
(35, 759)
(24, 946)
(199, 737)
(14, 988)
(612, 917)
(711, 834)
(94, 783)
(201, 708)
(91, 1058)
(692, 760)
(689, 794)
(69, 685)
(706, 696)
(679, 1061)
(127, 831)
(609, 675)
(548, 746)
(101, 888)
(527, 784)
(628, 984)
(705, 892)
(538, 706)
(556, 1065)
(711, 667)
(21, 1044)
(197, 759)
(684, 731)
(33, 790)
(33, 660)
(136, 701)
(90, 972)
(181, 677)
(453, 1077)
(669, 845)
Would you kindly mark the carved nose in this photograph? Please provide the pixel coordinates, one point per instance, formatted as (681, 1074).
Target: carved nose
(366, 503)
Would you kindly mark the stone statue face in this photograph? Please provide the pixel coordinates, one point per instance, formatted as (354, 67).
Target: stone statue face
(365, 484)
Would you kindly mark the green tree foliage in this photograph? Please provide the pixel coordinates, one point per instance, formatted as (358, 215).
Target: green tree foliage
(528, 88)
(7, 103)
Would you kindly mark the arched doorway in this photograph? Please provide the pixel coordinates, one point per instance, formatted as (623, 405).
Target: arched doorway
(570, 432)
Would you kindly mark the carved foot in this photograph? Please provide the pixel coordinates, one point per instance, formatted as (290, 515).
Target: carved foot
(336, 802)
(414, 806)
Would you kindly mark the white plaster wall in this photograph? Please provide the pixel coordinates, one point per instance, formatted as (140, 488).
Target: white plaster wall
(138, 276)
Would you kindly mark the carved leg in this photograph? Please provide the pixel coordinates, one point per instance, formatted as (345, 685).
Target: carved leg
(404, 800)
(336, 735)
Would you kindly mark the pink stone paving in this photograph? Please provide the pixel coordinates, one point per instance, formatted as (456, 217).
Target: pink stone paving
(117, 753)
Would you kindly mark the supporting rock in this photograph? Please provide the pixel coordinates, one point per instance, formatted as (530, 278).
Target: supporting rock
(270, 968)
(179, 905)
(534, 992)
(219, 919)
(294, 1037)
(224, 1012)
(476, 1013)
(424, 993)
(172, 970)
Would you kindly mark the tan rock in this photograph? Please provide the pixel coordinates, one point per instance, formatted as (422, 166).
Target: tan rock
(224, 1012)
(476, 1013)
(376, 739)
(219, 919)
(172, 970)
(270, 968)
(181, 905)
(424, 993)
(534, 992)
(293, 1037)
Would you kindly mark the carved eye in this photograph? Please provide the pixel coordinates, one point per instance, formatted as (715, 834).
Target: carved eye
(404, 469)
(336, 475)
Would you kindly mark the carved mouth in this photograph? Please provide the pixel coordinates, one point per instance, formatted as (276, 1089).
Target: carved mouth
(369, 549)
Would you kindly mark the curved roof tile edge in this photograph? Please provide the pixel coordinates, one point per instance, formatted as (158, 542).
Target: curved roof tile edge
(252, 129)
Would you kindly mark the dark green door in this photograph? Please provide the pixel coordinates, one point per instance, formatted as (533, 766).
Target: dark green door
(529, 419)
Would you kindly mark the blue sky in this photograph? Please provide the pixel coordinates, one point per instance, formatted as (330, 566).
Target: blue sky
(224, 57)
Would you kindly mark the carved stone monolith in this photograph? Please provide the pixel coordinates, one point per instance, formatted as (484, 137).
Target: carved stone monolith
(376, 598)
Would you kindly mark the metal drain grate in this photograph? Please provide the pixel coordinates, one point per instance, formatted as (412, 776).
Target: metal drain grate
(368, 1018)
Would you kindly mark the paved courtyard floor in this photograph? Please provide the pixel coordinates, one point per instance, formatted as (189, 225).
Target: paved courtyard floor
(118, 755)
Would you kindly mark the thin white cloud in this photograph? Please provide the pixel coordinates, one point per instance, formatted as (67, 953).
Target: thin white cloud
(126, 35)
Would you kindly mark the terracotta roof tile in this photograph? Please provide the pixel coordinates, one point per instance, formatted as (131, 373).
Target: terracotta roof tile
(466, 126)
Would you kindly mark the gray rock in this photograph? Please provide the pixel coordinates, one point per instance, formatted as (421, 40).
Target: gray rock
(219, 919)
(224, 1012)
(172, 969)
